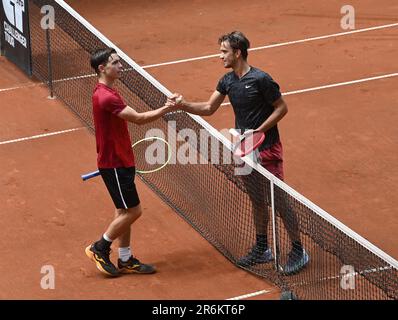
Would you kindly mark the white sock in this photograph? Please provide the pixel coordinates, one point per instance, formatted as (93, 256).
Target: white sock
(124, 253)
(107, 238)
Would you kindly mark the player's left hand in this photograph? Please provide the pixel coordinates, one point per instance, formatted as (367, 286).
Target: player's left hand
(248, 133)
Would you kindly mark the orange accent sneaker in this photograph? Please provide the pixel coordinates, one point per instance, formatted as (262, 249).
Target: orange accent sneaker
(133, 265)
(102, 261)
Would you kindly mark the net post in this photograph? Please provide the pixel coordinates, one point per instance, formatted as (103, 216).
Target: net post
(274, 225)
(49, 64)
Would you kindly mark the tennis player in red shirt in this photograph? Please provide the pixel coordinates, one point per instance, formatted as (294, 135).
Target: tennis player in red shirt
(116, 164)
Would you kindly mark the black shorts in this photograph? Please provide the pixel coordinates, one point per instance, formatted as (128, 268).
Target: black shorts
(121, 186)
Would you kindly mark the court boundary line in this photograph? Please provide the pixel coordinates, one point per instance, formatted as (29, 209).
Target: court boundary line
(304, 283)
(250, 295)
(281, 44)
(21, 87)
(333, 85)
(340, 84)
(217, 55)
(38, 136)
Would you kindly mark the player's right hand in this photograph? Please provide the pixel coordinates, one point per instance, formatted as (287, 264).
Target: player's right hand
(176, 99)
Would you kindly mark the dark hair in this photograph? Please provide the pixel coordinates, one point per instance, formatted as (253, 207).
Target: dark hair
(237, 40)
(101, 56)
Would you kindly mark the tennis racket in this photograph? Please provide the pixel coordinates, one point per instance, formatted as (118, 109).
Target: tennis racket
(248, 142)
(140, 152)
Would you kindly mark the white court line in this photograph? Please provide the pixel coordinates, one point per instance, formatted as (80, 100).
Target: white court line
(339, 84)
(21, 87)
(55, 81)
(344, 277)
(41, 135)
(228, 103)
(249, 295)
(303, 283)
(278, 44)
(217, 55)
(342, 84)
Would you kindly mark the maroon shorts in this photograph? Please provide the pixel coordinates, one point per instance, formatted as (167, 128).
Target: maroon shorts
(272, 160)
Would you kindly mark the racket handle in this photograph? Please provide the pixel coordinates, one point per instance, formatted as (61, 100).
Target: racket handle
(234, 132)
(90, 175)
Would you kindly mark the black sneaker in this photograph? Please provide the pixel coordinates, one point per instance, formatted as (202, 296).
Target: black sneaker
(102, 261)
(297, 260)
(133, 265)
(256, 256)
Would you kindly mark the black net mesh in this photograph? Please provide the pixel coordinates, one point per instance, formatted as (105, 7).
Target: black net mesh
(339, 266)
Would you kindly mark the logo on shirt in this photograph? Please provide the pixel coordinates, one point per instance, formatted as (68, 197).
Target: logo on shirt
(247, 87)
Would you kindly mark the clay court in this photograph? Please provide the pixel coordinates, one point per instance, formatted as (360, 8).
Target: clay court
(340, 142)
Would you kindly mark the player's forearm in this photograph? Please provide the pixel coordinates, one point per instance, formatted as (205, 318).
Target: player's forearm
(129, 114)
(152, 115)
(273, 119)
(199, 108)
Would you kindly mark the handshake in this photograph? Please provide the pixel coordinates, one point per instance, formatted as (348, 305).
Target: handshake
(175, 101)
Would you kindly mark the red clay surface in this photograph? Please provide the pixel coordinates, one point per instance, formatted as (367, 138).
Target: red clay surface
(340, 144)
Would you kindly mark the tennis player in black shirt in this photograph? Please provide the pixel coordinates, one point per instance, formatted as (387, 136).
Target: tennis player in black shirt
(258, 105)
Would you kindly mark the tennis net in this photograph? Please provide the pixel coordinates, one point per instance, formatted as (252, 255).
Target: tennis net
(221, 205)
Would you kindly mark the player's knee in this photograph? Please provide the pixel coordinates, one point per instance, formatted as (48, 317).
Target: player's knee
(134, 213)
(130, 214)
